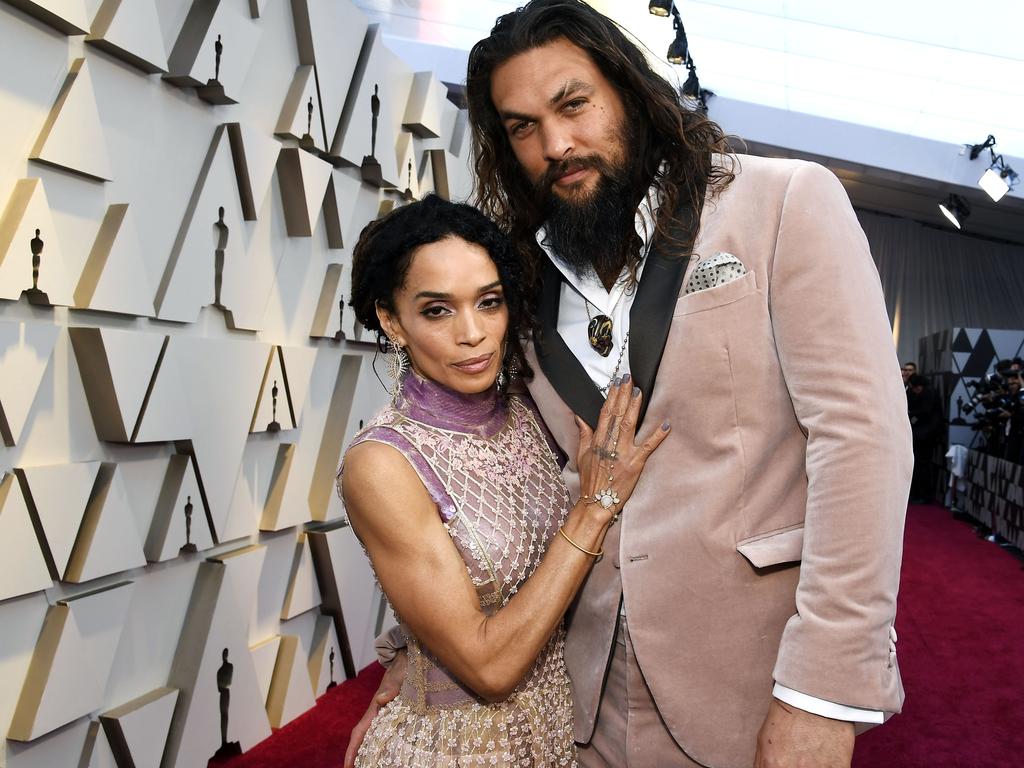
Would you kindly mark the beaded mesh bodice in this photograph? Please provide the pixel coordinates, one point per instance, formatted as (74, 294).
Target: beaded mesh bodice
(490, 469)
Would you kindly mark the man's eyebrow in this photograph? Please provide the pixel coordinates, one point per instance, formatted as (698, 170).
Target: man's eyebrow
(570, 87)
(443, 296)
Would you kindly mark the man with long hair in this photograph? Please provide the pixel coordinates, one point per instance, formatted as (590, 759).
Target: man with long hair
(711, 270)
(744, 614)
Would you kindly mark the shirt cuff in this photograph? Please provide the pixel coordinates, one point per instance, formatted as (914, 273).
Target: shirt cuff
(825, 708)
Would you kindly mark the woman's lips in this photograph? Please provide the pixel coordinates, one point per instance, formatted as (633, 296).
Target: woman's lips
(475, 364)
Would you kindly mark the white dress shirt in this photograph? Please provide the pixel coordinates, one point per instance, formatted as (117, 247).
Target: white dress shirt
(573, 321)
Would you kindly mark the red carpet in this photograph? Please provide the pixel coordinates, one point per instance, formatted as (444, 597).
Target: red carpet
(961, 652)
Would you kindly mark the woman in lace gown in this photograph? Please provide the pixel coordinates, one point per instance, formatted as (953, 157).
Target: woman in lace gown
(456, 493)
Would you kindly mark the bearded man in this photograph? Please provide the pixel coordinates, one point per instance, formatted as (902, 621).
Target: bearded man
(744, 615)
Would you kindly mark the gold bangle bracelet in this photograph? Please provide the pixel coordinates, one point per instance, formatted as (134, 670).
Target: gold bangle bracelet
(598, 555)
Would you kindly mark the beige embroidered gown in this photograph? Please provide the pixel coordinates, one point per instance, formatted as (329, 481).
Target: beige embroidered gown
(488, 465)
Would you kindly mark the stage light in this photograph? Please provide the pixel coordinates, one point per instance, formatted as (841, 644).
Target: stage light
(998, 179)
(660, 7)
(956, 209)
(679, 49)
(691, 88)
(977, 149)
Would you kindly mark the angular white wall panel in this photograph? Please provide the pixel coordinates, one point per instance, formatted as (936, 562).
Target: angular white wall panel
(272, 402)
(326, 668)
(303, 593)
(72, 137)
(27, 213)
(264, 658)
(220, 381)
(255, 157)
(298, 371)
(58, 688)
(330, 307)
(425, 111)
(58, 496)
(244, 566)
(190, 275)
(67, 16)
(329, 35)
(213, 647)
(108, 539)
(117, 368)
(193, 59)
(25, 352)
(22, 566)
(114, 278)
(130, 30)
(137, 730)
(167, 414)
(296, 119)
(180, 516)
(100, 616)
(383, 75)
(290, 691)
(348, 586)
(303, 180)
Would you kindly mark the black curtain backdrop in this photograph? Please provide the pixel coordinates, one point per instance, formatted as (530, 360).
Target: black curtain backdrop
(935, 280)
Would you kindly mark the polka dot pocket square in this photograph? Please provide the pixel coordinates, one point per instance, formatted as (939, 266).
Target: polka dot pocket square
(714, 271)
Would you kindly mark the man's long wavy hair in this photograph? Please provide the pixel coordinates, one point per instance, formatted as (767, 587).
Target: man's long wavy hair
(676, 144)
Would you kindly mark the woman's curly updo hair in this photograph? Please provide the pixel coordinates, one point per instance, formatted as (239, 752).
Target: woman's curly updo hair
(383, 255)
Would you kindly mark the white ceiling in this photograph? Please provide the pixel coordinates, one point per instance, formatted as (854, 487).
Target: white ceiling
(926, 68)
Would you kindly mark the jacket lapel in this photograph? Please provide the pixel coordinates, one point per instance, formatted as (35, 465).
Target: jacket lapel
(650, 316)
(650, 319)
(566, 374)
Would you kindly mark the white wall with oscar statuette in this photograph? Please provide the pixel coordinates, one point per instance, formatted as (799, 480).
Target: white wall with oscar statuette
(179, 374)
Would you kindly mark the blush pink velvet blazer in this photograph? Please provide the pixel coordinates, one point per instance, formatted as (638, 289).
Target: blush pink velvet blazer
(764, 539)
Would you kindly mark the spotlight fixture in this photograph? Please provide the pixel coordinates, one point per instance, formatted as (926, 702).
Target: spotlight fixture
(691, 88)
(1000, 178)
(956, 209)
(977, 149)
(660, 7)
(679, 49)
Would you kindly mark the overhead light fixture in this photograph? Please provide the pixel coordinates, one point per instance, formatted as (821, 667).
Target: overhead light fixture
(660, 7)
(999, 178)
(679, 49)
(691, 88)
(956, 209)
(977, 149)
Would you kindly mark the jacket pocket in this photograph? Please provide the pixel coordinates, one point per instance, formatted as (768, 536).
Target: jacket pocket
(718, 296)
(773, 548)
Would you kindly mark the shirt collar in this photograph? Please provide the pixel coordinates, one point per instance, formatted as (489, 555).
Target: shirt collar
(588, 284)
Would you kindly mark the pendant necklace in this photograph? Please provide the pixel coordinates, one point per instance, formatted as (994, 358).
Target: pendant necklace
(599, 330)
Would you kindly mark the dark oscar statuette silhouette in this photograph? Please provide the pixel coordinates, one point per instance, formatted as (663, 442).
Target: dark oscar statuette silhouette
(959, 421)
(33, 294)
(306, 142)
(223, 232)
(407, 195)
(340, 333)
(224, 675)
(213, 91)
(371, 167)
(273, 426)
(332, 683)
(189, 546)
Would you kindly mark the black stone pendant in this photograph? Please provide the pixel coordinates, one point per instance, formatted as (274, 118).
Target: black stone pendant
(600, 333)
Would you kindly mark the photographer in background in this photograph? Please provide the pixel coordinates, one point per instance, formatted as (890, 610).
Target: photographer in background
(926, 422)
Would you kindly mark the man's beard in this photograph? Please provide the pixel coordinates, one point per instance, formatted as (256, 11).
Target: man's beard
(590, 231)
